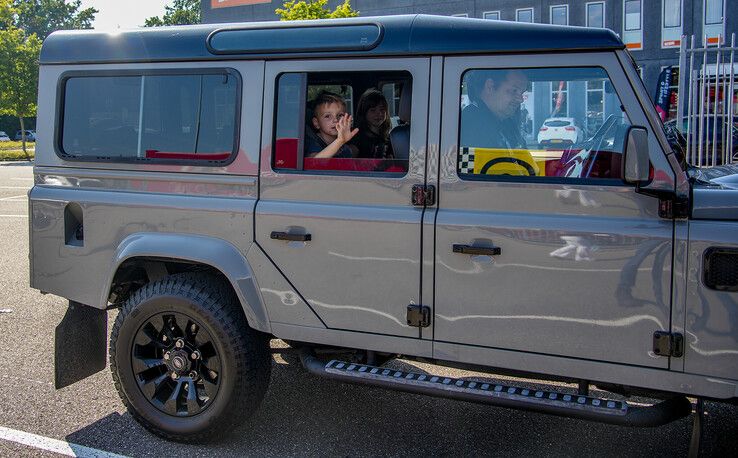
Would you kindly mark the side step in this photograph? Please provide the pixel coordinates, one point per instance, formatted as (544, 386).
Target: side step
(534, 399)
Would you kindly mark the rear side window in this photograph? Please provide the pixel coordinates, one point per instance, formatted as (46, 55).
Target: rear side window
(151, 117)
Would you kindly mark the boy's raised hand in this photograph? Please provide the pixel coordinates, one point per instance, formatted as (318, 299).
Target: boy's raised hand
(345, 134)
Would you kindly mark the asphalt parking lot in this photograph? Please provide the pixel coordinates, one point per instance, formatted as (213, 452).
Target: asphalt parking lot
(300, 416)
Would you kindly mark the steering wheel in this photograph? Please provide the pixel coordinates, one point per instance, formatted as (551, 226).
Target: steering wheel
(513, 160)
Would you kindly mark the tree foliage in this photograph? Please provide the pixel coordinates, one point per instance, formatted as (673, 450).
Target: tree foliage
(7, 14)
(182, 12)
(19, 55)
(313, 9)
(41, 17)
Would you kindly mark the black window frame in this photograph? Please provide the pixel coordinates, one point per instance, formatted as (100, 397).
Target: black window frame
(61, 100)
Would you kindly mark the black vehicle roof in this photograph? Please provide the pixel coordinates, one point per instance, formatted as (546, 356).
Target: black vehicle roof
(397, 35)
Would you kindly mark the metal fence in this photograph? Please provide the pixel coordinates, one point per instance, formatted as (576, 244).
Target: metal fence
(707, 102)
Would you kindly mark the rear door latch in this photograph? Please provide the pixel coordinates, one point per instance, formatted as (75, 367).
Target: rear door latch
(418, 316)
(668, 344)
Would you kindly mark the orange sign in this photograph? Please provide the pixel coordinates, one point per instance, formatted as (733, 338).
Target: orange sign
(229, 3)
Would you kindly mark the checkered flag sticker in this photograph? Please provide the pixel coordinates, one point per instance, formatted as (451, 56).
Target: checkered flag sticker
(466, 160)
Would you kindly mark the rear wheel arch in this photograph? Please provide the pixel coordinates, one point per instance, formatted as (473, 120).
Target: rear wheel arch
(144, 258)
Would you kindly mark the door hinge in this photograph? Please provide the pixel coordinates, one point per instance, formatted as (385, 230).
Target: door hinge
(424, 195)
(418, 316)
(673, 208)
(668, 344)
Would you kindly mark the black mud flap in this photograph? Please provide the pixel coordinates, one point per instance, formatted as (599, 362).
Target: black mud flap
(80, 346)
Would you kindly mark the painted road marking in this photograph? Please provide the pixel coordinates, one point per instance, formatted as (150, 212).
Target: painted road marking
(13, 216)
(14, 198)
(53, 445)
(21, 179)
(13, 187)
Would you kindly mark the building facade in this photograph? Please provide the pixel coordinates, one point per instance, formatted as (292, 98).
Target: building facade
(652, 29)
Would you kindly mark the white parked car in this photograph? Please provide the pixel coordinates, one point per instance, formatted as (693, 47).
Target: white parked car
(4, 137)
(556, 131)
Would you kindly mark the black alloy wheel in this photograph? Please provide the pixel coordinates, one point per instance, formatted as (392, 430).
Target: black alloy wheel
(176, 364)
(184, 360)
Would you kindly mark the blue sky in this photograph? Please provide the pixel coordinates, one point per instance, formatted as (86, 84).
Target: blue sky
(124, 14)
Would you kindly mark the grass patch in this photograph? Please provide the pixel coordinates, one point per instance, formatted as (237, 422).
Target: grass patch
(13, 151)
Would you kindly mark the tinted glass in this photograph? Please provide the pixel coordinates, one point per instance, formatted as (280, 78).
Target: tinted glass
(509, 130)
(525, 16)
(632, 14)
(285, 39)
(559, 15)
(713, 11)
(150, 117)
(595, 15)
(556, 123)
(672, 13)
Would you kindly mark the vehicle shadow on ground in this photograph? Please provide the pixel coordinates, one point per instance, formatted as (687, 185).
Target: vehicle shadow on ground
(303, 415)
(16, 164)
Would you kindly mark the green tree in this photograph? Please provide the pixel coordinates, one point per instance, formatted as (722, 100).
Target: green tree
(19, 54)
(181, 13)
(313, 9)
(41, 17)
(7, 14)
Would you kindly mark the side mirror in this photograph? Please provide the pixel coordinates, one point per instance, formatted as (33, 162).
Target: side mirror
(636, 164)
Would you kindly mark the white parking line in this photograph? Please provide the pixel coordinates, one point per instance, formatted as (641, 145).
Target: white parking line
(21, 179)
(13, 216)
(13, 198)
(13, 187)
(53, 445)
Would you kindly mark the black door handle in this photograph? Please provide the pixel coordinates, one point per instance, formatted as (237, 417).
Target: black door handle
(290, 237)
(467, 249)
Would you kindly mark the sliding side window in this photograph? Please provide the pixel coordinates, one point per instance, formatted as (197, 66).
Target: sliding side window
(372, 107)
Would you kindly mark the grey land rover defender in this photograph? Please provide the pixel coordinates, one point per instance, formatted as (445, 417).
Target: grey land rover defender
(175, 182)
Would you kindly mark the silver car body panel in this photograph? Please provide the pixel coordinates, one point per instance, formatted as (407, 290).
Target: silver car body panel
(585, 270)
(716, 203)
(711, 329)
(362, 267)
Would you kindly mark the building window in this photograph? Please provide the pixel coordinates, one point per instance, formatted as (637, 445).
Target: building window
(524, 15)
(460, 15)
(632, 15)
(595, 107)
(632, 24)
(671, 23)
(596, 14)
(713, 12)
(494, 15)
(714, 20)
(560, 15)
(559, 99)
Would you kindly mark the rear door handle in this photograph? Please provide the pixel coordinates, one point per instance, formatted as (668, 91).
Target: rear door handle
(290, 237)
(479, 250)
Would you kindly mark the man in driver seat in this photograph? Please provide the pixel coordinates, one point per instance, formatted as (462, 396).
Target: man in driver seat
(491, 123)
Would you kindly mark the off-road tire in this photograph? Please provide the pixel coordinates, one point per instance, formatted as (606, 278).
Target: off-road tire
(243, 354)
